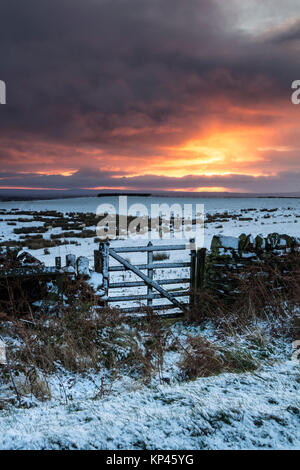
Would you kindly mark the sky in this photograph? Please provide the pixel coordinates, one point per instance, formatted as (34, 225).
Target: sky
(156, 95)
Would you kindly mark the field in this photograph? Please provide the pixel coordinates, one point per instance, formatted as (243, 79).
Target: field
(218, 383)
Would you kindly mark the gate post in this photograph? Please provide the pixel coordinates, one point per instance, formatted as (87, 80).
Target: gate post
(200, 267)
(97, 261)
(192, 273)
(60, 279)
(102, 263)
(150, 274)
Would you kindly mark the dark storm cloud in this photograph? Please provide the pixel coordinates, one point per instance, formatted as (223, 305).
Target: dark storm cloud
(287, 33)
(72, 65)
(128, 76)
(80, 179)
(77, 70)
(92, 179)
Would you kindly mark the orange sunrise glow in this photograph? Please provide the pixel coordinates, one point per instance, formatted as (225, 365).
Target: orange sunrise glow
(202, 105)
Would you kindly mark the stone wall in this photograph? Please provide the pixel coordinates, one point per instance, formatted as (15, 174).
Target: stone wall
(229, 257)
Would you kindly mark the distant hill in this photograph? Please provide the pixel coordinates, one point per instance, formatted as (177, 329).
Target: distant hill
(27, 195)
(125, 194)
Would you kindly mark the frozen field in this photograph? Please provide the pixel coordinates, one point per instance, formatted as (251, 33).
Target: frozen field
(227, 216)
(266, 215)
(90, 204)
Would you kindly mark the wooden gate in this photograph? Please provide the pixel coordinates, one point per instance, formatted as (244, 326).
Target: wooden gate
(146, 279)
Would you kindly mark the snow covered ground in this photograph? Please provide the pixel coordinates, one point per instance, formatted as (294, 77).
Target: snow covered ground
(267, 215)
(285, 218)
(250, 410)
(258, 410)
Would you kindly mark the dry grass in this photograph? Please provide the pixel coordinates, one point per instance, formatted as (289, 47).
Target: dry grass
(201, 358)
(270, 292)
(75, 335)
(80, 341)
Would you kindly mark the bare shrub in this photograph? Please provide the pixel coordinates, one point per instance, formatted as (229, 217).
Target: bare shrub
(155, 336)
(269, 292)
(202, 359)
(35, 384)
(83, 338)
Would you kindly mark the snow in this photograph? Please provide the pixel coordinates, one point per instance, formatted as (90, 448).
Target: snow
(2, 352)
(95, 280)
(229, 242)
(230, 411)
(83, 266)
(257, 410)
(284, 220)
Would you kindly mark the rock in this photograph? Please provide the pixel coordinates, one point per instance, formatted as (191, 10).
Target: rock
(83, 266)
(229, 257)
(71, 261)
(2, 353)
(96, 282)
(260, 243)
(26, 259)
(246, 243)
(220, 241)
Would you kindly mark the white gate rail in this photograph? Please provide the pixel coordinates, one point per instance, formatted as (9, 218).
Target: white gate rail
(146, 279)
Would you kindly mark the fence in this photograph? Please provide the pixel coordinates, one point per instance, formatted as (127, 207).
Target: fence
(38, 270)
(102, 265)
(146, 273)
(224, 266)
(217, 270)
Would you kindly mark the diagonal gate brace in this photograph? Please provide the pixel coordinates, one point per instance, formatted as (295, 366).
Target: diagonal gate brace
(147, 280)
